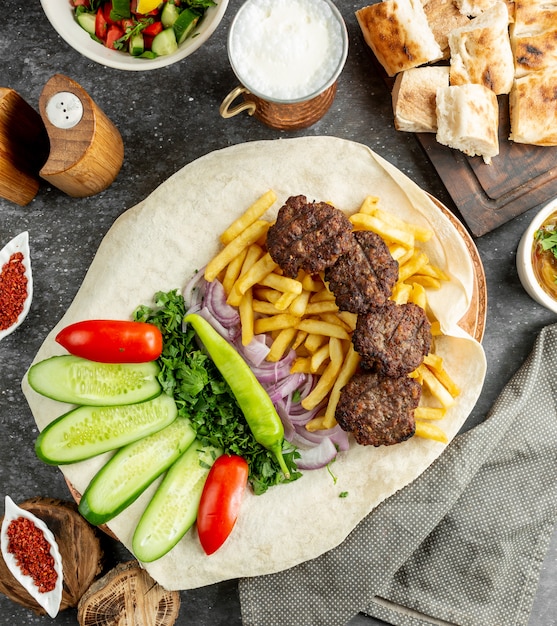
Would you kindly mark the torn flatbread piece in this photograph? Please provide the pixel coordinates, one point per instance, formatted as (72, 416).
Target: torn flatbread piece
(481, 51)
(533, 108)
(399, 34)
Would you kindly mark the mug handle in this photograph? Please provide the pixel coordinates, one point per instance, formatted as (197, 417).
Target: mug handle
(225, 108)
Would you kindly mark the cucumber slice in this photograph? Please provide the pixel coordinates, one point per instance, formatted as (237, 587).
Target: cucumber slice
(132, 469)
(169, 14)
(173, 509)
(87, 21)
(79, 381)
(137, 45)
(185, 24)
(88, 431)
(164, 43)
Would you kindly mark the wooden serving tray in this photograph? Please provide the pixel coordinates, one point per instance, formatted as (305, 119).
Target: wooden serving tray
(518, 179)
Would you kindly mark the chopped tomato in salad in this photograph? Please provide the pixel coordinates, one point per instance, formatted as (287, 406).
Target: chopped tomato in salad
(120, 24)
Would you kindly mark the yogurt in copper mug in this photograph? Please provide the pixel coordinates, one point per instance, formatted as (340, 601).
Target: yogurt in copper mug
(287, 51)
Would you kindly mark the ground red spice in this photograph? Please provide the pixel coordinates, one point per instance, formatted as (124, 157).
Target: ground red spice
(13, 290)
(32, 553)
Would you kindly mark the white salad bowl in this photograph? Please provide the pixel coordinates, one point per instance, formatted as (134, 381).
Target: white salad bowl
(61, 15)
(524, 260)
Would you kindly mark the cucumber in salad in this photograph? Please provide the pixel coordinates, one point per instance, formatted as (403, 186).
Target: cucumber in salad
(117, 24)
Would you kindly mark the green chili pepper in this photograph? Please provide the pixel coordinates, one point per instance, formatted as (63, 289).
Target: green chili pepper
(254, 401)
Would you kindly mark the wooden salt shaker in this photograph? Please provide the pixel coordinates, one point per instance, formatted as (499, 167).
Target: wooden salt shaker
(86, 149)
(23, 148)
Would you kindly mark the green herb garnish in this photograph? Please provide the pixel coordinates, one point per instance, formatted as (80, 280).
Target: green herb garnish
(203, 396)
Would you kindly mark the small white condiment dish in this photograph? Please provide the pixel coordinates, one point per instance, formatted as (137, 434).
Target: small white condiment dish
(20, 243)
(50, 601)
(60, 14)
(524, 261)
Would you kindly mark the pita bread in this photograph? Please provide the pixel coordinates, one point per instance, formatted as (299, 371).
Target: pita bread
(468, 120)
(414, 98)
(481, 51)
(534, 37)
(162, 241)
(398, 33)
(533, 108)
(442, 17)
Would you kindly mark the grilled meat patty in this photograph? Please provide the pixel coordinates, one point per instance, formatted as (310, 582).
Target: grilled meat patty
(308, 235)
(363, 277)
(393, 339)
(378, 410)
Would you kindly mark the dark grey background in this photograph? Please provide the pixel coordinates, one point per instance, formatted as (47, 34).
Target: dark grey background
(167, 119)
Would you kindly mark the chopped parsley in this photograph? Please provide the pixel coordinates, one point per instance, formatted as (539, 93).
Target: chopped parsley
(203, 396)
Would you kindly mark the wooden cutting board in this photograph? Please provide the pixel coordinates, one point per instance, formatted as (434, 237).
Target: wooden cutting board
(519, 178)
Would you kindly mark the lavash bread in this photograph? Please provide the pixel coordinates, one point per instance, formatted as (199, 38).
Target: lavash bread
(399, 34)
(442, 17)
(534, 36)
(468, 119)
(481, 51)
(533, 108)
(414, 98)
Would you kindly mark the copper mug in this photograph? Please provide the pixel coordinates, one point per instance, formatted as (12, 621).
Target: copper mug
(300, 111)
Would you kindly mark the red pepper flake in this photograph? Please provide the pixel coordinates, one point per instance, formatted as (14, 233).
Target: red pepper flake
(13, 290)
(32, 553)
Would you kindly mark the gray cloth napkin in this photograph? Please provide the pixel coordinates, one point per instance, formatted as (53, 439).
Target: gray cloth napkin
(463, 544)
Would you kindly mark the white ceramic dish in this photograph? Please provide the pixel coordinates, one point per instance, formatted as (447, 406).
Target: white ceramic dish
(50, 600)
(20, 243)
(524, 259)
(61, 15)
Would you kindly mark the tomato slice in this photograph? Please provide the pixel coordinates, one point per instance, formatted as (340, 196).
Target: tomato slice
(114, 33)
(153, 29)
(112, 341)
(101, 25)
(221, 500)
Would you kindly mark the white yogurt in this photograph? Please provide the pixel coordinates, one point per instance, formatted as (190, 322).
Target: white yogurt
(287, 50)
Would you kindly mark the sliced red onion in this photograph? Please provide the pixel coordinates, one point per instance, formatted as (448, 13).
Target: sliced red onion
(194, 290)
(215, 301)
(256, 351)
(318, 456)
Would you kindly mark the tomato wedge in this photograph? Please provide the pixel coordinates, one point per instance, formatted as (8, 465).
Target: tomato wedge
(221, 500)
(112, 341)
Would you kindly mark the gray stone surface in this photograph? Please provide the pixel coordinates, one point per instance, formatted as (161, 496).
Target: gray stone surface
(167, 119)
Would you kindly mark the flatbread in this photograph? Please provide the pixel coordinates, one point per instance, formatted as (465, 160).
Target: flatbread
(158, 245)
(399, 34)
(481, 51)
(533, 108)
(534, 36)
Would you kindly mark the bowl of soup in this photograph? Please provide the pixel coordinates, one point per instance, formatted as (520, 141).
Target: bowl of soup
(536, 257)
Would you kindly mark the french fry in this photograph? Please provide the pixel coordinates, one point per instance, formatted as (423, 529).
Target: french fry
(300, 302)
(323, 295)
(233, 270)
(265, 308)
(319, 357)
(251, 215)
(234, 248)
(301, 336)
(360, 221)
(427, 430)
(254, 252)
(310, 284)
(413, 266)
(369, 205)
(282, 283)
(447, 382)
(435, 386)
(256, 273)
(325, 306)
(420, 233)
(286, 299)
(426, 281)
(317, 423)
(350, 319)
(301, 365)
(275, 322)
(348, 369)
(430, 413)
(318, 327)
(401, 293)
(246, 317)
(280, 344)
(314, 341)
(418, 295)
(327, 379)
